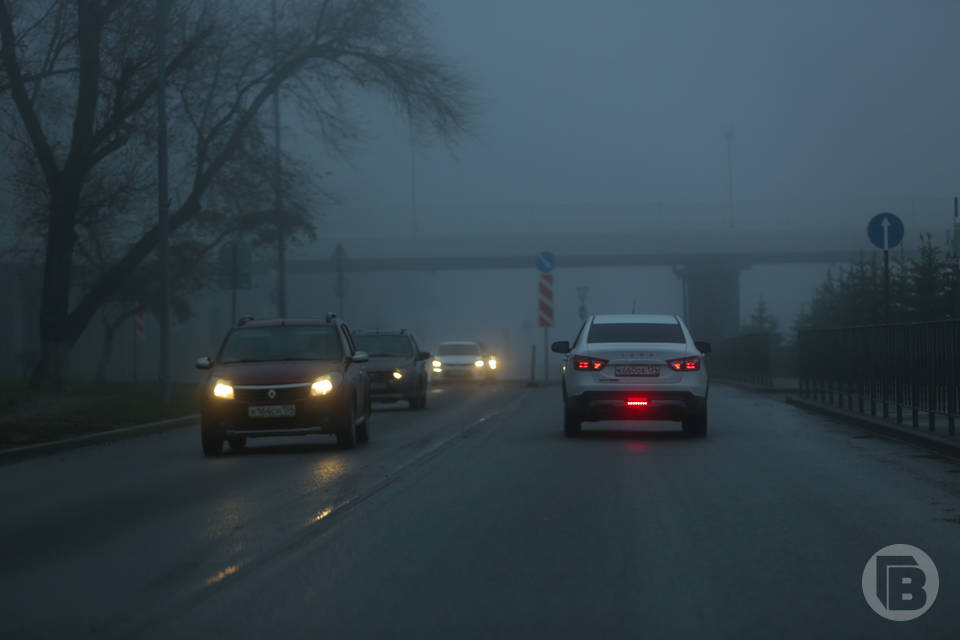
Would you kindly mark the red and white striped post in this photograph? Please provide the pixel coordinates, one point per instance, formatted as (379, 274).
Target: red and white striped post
(545, 304)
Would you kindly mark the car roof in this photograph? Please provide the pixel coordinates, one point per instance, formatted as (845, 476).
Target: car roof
(635, 318)
(284, 322)
(460, 342)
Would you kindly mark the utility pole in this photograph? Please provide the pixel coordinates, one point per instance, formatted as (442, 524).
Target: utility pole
(163, 203)
(728, 134)
(956, 257)
(413, 182)
(277, 185)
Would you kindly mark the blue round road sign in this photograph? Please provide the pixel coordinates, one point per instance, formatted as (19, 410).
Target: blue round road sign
(885, 231)
(546, 261)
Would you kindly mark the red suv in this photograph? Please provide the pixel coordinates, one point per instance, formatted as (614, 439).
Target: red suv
(285, 377)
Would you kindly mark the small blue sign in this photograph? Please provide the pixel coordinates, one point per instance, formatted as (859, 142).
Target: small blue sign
(885, 231)
(546, 262)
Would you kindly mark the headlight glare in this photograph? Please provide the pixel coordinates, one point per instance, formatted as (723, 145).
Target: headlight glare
(398, 375)
(223, 389)
(325, 384)
(478, 363)
(437, 364)
(492, 363)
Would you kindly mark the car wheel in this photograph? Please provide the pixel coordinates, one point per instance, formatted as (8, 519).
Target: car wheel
(696, 424)
(211, 440)
(237, 444)
(363, 431)
(347, 436)
(572, 423)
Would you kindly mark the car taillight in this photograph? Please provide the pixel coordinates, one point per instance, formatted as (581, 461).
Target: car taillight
(637, 402)
(583, 363)
(685, 364)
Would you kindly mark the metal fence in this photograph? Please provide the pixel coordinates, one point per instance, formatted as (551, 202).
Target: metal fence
(744, 358)
(885, 370)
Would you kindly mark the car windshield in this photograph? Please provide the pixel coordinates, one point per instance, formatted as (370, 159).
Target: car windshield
(459, 349)
(264, 344)
(635, 332)
(384, 346)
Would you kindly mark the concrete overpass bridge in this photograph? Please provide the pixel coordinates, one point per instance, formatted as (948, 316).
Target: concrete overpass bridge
(708, 262)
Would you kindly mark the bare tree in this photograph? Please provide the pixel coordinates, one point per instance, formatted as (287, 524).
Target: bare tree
(77, 76)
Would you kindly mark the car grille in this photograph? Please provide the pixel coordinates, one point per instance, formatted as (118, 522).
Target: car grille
(262, 394)
(380, 376)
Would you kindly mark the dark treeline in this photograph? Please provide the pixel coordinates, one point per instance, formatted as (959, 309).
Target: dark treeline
(922, 288)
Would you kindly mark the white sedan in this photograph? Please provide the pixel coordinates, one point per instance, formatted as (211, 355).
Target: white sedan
(634, 367)
(463, 360)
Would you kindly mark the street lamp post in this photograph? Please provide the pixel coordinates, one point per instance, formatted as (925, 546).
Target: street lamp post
(728, 134)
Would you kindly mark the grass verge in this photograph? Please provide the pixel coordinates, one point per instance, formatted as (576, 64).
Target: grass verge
(29, 417)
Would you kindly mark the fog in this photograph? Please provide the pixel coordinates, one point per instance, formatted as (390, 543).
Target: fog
(628, 101)
(614, 117)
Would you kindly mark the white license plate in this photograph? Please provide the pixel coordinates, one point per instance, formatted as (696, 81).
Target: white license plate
(273, 411)
(628, 370)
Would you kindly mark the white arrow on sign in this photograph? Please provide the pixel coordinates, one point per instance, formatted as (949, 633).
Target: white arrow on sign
(885, 223)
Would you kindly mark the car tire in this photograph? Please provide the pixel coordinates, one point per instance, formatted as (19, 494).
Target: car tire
(572, 423)
(238, 443)
(211, 441)
(696, 424)
(423, 396)
(363, 431)
(347, 436)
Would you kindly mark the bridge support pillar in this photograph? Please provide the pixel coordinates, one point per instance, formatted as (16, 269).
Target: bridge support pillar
(711, 298)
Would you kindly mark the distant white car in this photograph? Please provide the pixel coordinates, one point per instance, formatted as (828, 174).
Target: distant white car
(634, 367)
(462, 360)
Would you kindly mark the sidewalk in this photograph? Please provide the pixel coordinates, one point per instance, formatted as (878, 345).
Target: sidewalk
(939, 439)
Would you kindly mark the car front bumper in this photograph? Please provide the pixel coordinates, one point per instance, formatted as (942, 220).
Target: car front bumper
(312, 415)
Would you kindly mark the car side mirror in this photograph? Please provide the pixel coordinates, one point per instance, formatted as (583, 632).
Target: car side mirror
(562, 346)
(359, 357)
(702, 345)
(423, 355)
(204, 363)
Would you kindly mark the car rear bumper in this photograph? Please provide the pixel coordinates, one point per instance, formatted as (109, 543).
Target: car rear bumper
(612, 405)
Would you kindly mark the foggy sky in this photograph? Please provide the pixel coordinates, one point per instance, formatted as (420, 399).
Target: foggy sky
(628, 101)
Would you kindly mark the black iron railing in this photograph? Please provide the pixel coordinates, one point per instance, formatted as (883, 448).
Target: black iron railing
(744, 358)
(885, 370)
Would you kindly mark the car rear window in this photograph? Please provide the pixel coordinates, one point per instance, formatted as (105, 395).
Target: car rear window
(458, 350)
(384, 346)
(635, 332)
(265, 344)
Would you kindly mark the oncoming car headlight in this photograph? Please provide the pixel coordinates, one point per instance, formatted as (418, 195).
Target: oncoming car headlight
(398, 375)
(223, 389)
(478, 363)
(325, 384)
(492, 363)
(437, 364)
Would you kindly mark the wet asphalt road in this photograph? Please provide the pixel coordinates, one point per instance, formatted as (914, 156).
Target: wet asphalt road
(477, 518)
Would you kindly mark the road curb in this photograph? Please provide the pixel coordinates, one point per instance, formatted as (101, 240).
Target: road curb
(755, 388)
(944, 444)
(57, 446)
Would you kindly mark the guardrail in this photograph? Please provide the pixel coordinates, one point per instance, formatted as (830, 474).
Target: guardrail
(744, 358)
(885, 369)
